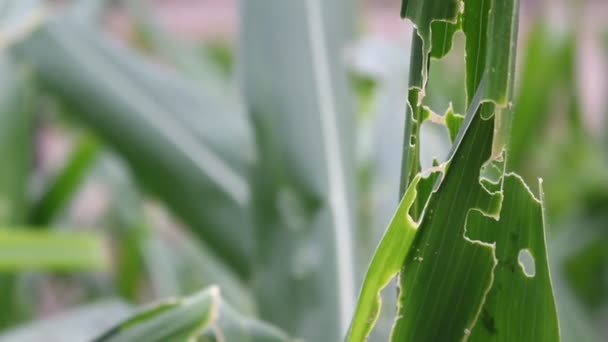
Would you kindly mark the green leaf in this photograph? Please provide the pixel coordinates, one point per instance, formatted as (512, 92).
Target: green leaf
(300, 107)
(199, 317)
(68, 180)
(520, 306)
(575, 322)
(385, 265)
(232, 326)
(453, 122)
(83, 323)
(180, 144)
(149, 248)
(16, 136)
(423, 13)
(22, 249)
(16, 154)
(441, 262)
(549, 65)
(196, 62)
(176, 320)
(462, 262)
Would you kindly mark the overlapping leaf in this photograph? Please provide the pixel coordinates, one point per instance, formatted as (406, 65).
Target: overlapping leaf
(299, 104)
(180, 144)
(463, 262)
(201, 316)
(16, 153)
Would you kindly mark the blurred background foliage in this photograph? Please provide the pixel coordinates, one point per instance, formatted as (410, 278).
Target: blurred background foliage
(149, 149)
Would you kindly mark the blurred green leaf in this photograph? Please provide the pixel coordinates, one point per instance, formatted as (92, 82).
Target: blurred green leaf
(548, 66)
(587, 272)
(24, 249)
(67, 181)
(16, 139)
(232, 326)
(196, 63)
(180, 144)
(16, 154)
(575, 322)
(176, 320)
(150, 248)
(79, 324)
(201, 317)
(300, 107)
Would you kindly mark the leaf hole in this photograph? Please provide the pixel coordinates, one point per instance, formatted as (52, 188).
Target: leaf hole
(526, 262)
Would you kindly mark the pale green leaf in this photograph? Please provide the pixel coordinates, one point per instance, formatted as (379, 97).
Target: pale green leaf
(300, 107)
(176, 320)
(26, 249)
(179, 143)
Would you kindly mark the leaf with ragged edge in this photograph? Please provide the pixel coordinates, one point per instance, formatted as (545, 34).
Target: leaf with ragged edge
(299, 104)
(179, 143)
(520, 305)
(447, 279)
(423, 13)
(436, 275)
(491, 29)
(453, 121)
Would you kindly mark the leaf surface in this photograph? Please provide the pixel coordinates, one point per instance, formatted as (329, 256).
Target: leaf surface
(300, 107)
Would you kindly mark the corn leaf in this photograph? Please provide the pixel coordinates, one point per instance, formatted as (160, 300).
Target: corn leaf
(463, 270)
(67, 181)
(386, 262)
(16, 154)
(300, 108)
(83, 323)
(24, 249)
(180, 145)
(177, 320)
(176, 264)
(202, 317)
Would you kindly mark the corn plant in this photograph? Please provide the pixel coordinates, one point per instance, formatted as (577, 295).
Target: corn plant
(463, 229)
(258, 235)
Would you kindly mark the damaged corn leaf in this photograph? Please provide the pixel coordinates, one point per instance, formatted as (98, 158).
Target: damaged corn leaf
(467, 269)
(520, 306)
(444, 270)
(432, 18)
(436, 21)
